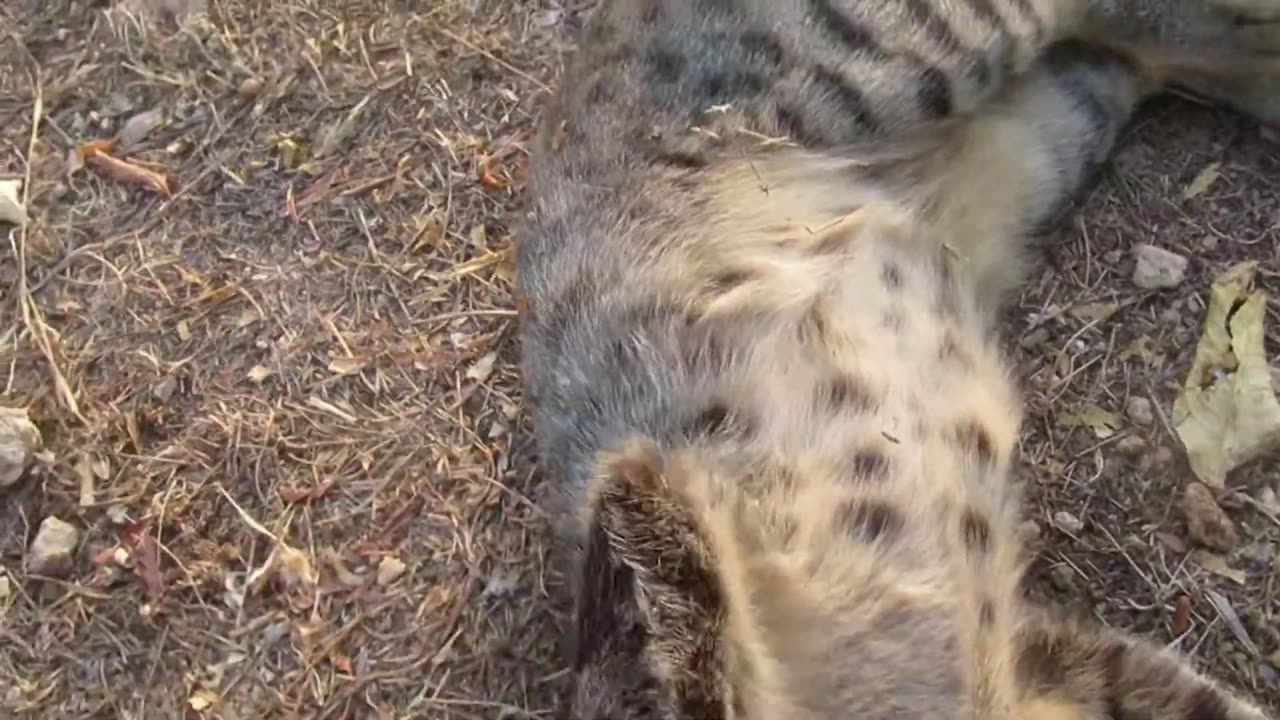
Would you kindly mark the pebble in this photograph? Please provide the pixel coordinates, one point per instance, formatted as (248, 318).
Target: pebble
(1131, 445)
(51, 553)
(1207, 524)
(20, 441)
(1157, 268)
(1068, 523)
(1140, 411)
(1063, 577)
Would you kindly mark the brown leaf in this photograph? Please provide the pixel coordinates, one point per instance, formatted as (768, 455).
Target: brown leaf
(146, 565)
(294, 494)
(1181, 615)
(95, 154)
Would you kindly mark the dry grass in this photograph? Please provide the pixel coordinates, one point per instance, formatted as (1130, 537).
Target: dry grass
(307, 345)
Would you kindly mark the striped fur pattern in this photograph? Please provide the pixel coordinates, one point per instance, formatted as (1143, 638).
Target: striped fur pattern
(767, 243)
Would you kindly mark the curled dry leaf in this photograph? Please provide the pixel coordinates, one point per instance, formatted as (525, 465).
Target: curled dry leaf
(1104, 423)
(288, 566)
(97, 155)
(389, 570)
(1227, 413)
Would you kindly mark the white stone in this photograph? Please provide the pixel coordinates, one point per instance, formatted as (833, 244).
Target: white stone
(1157, 268)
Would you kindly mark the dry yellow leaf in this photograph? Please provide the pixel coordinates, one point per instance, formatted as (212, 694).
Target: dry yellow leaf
(347, 365)
(201, 700)
(1104, 423)
(11, 208)
(1203, 180)
(1227, 413)
(389, 569)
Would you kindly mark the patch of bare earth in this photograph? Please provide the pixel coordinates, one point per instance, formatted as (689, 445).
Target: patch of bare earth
(268, 336)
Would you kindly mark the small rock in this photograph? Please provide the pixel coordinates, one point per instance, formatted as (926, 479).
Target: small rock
(250, 87)
(139, 127)
(1162, 456)
(1068, 523)
(51, 552)
(1140, 411)
(1033, 338)
(1157, 268)
(1207, 524)
(501, 583)
(1131, 445)
(20, 442)
(1029, 531)
(389, 569)
(1063, 577)
(163, 390)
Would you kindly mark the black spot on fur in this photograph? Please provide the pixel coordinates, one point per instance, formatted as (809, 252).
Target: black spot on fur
(853, 104)
(977, 532)
(1206, 703)
(606, 588)
(870, 466)
(729, 279)
(651, 11)
(934, 94)
(1038, 665)
(791, 124)
(849, 31)
(934, 24)
(987, 613)
(870, 520)
(950, 353)
(975, 440)
(985, 10)
(601, 91)
(891, 275)
(714, 420)
(844, 391)
(667, 66)
(763, 45)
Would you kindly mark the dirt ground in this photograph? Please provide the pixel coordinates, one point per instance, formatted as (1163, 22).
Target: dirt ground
(268, 338)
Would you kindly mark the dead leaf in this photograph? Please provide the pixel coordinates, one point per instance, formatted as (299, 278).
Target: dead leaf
(123, 171)
(1218, 566)
(1094, 312)
(292, 494)
(334, 560)
(258, 373)
(336, 136)
(347, 365)
(1181, 615)
(201, 700)
(87, 490)
(1142, 348)
(146, 565)
(288, 566)
(389, 569)
(1203, 180)
(12, 210)
(1104, 423)
(1227, 413)
(483, 368)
